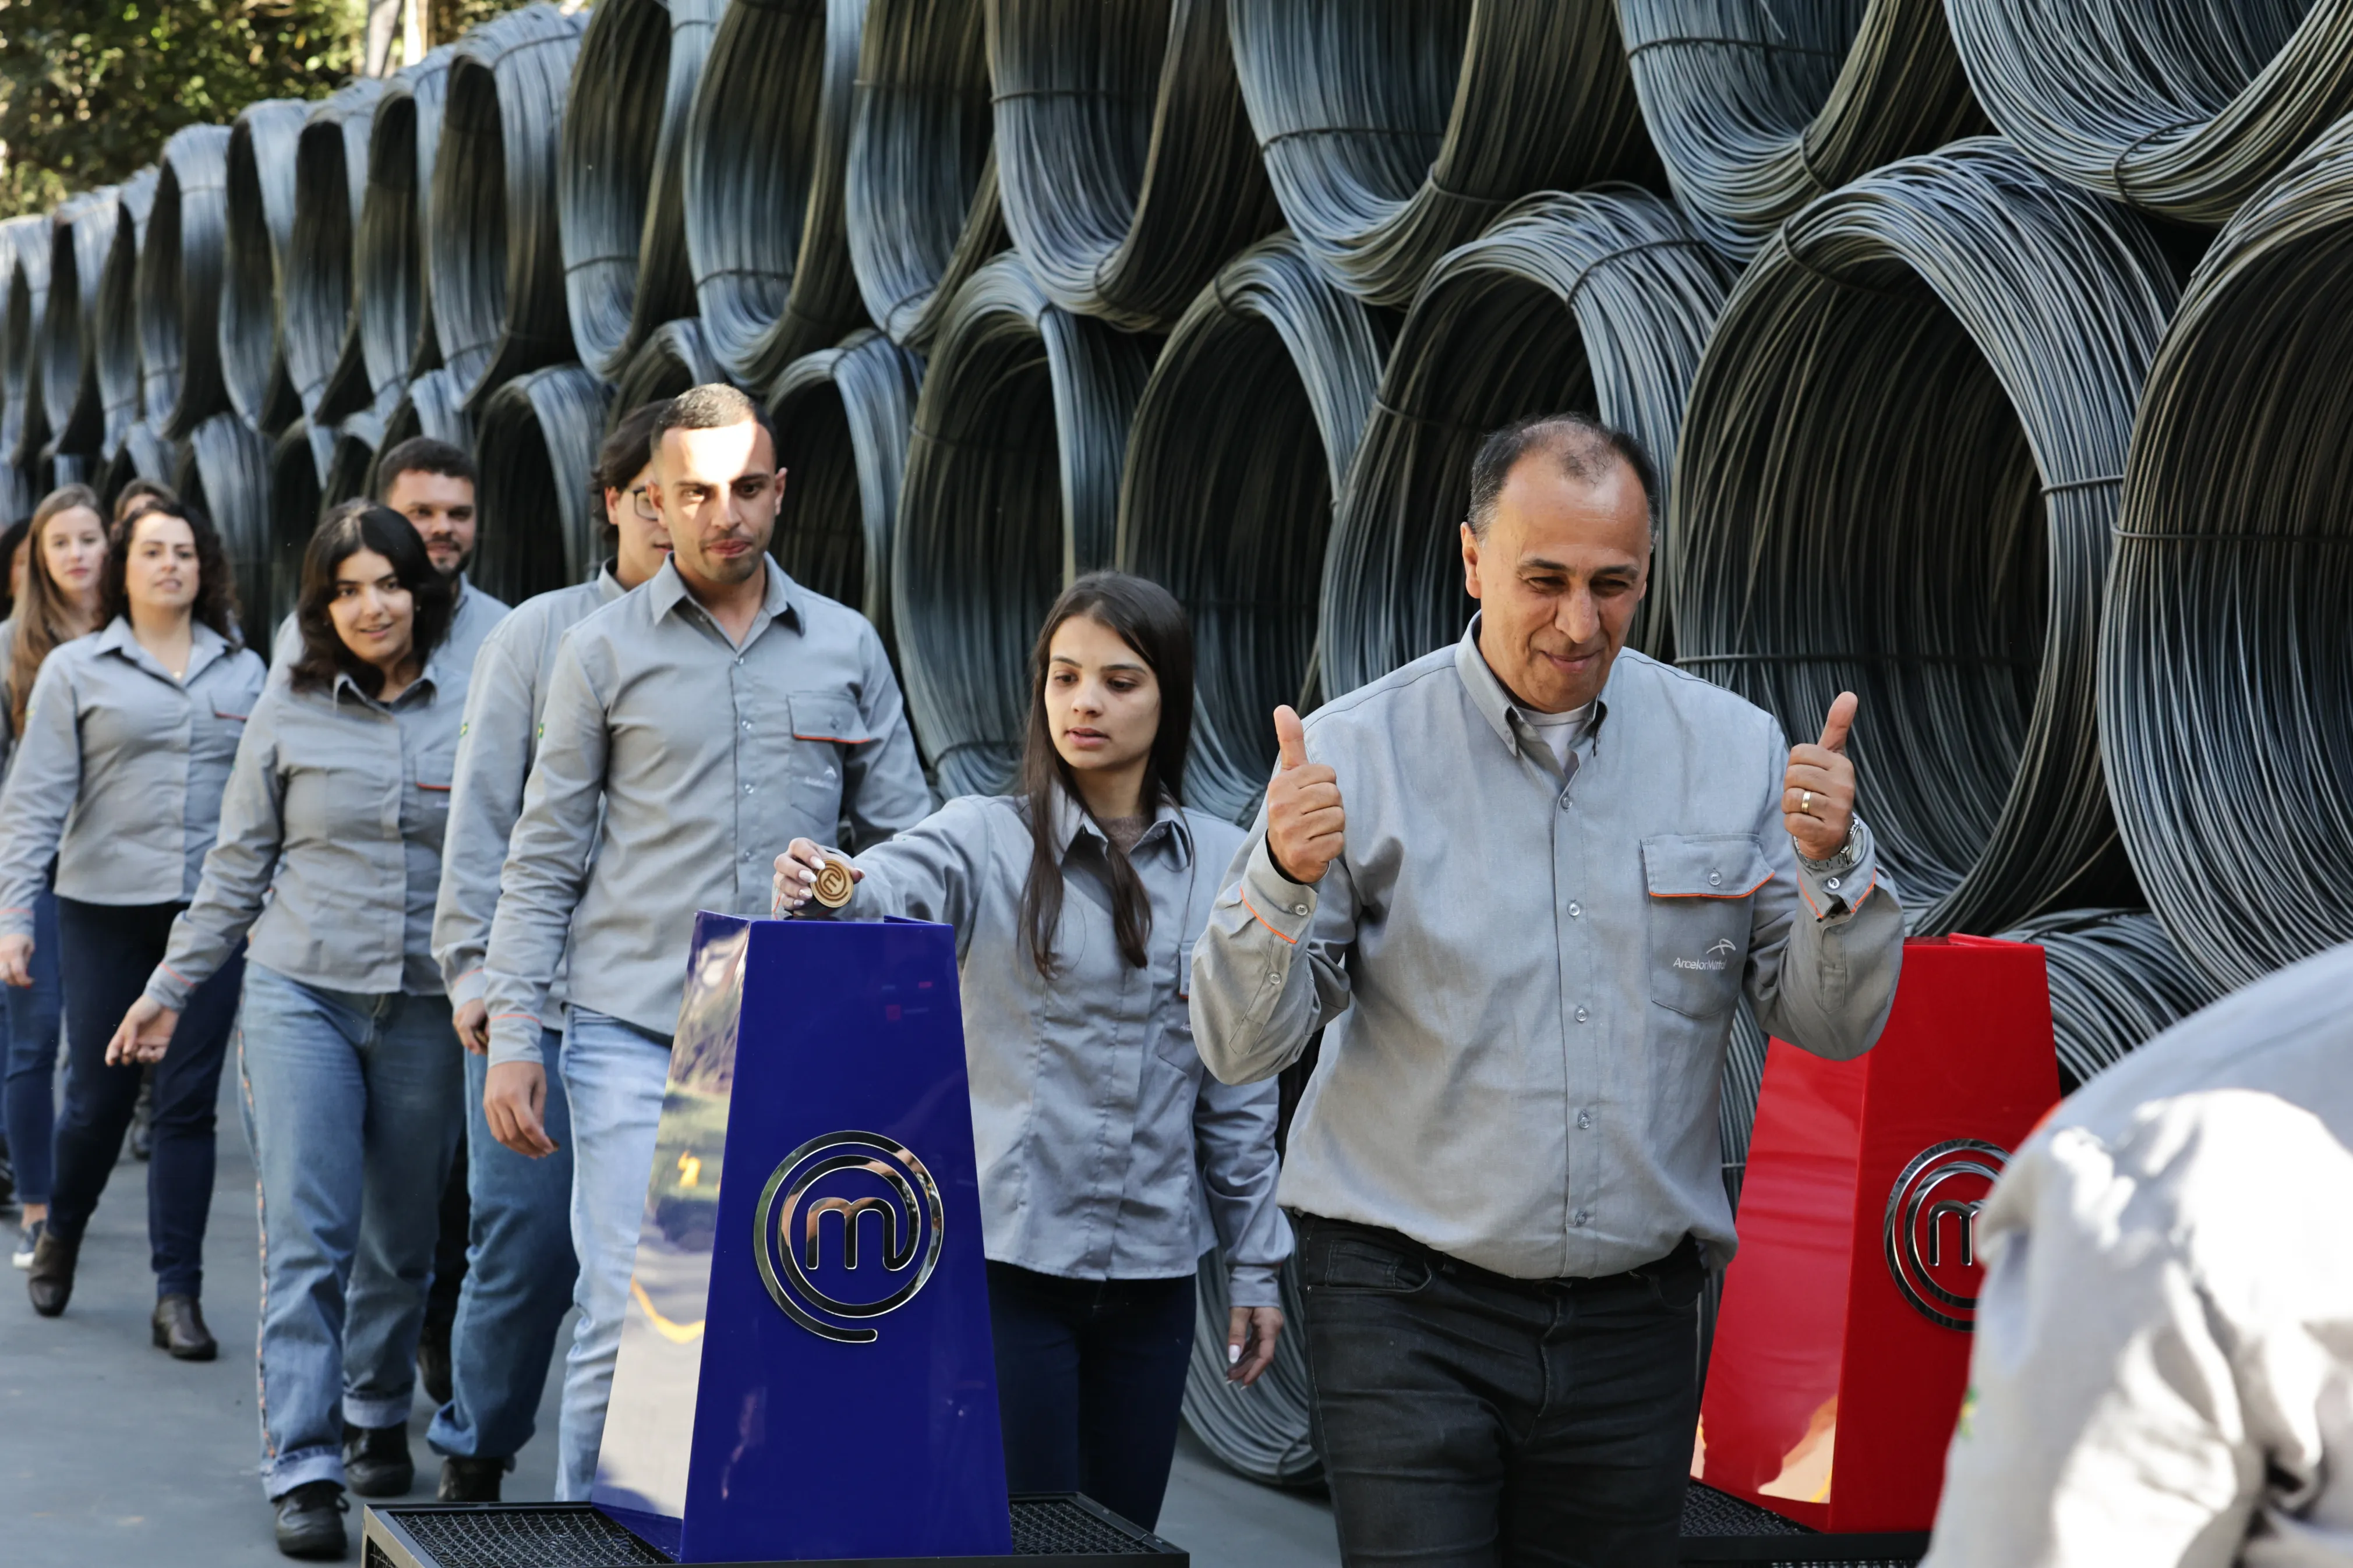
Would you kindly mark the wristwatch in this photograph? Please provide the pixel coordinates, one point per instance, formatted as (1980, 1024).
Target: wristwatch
(1848, 853)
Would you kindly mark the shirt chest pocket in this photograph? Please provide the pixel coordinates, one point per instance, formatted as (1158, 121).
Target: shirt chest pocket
(1697, 943)
(824, 725)
(1176, 1046)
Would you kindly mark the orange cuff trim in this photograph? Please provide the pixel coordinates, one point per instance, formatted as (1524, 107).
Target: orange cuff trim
(526, 1018)
(175, 975)
(1286, 941)
(12, 909)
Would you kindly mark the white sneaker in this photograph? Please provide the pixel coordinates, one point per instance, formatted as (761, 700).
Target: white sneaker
(27, 1239)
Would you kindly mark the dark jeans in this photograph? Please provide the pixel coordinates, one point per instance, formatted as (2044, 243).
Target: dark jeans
(1469, 1419)
(30, 1091)
(108, 951)
(1090, 1379)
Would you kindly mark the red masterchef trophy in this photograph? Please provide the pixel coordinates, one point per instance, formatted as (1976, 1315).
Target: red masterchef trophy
(1842, 1350)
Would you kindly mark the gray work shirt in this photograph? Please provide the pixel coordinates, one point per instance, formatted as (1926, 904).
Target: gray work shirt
(707, 757)
(334, 810)
(504, 700)
(1529, 982)
(119, 777)
(477, 614)
(1106, 1152)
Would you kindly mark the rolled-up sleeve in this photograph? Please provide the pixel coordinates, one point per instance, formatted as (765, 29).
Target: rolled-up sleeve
(547, 860)
(238, 867)
(883, 778)
(40, 794)
(1826, 948)
(1268, 972)
(485, 799)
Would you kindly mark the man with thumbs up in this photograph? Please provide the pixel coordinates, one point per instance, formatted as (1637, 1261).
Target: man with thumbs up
(1521, 884)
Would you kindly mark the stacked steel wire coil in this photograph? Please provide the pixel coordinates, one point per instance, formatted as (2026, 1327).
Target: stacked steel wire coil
(1930, 425)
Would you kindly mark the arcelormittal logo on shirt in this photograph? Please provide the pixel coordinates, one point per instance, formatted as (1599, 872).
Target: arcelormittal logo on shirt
(849, 1226)
(1719, 954)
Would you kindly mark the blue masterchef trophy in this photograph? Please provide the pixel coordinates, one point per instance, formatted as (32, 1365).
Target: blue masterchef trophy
(805, 1368)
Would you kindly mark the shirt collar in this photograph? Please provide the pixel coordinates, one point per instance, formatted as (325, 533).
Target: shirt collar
(1071, 822)
(1495, 702)
(205, 645)
(429, 683)
(667, 591)
(609, 586)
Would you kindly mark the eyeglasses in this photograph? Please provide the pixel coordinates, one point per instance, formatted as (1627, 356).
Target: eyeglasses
(643, 505)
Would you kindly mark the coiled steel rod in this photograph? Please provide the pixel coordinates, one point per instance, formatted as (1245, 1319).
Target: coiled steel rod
(140, 455)
(389, 274)
(298, 472)
(623, 215)
(24, 424)
(1124, 156)
(329, 181)
(2116, 983)
(255, 266)
(180, 273)
(1394, 131)
(496, 259)
(1898, 471)
(674, 356)
(1243, 437)
(2226, 675)
(1756, 109)
(1011, 490)
(1600, 301)
(766, 147)
(2177, 107)
(225, 469)
(430, 404)
(83, 234)
(357, 441)
(536, 449)
(1262, 1431)
(920, 194)
(121, 398)
(842, 416)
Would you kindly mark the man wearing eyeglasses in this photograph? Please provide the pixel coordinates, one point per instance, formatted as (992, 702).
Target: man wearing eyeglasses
(717, 713)
(518, 1127)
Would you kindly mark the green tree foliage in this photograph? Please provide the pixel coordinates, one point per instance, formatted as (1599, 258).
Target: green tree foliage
(90, 89)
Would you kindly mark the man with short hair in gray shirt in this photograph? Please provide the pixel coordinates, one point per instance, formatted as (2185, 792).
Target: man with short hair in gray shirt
(1521, 884)
(717, 712)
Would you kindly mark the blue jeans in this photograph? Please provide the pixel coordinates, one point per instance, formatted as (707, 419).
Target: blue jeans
(1090, 1384)
(114, 948)
(616, 1074)
(34, 1012)
(519, 1275)
(352, 1106)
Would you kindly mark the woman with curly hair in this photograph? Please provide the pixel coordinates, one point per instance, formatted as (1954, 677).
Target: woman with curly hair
(125, 749)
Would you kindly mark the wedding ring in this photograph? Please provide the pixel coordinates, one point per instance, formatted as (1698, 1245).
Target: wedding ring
(834, 884)
(1805, 803)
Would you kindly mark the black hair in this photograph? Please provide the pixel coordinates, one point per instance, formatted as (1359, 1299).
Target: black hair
(625, 454)
(145, 496)
(422, 455)
(713, 405)
(344, 533)
(215, 604)
(1147, 618)
(12, 539)
(1587, 450)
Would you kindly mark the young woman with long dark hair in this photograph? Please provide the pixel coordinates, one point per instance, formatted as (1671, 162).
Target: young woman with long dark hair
(56, 602)
(333, 816)
(117, 783)
(1076, 904)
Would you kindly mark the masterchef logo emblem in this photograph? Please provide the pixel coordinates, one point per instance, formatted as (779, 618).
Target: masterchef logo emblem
(1932, 1228)
(849, 1226)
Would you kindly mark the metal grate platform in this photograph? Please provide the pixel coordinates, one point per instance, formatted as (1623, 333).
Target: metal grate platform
(1720, 1528)
(1058, 1532)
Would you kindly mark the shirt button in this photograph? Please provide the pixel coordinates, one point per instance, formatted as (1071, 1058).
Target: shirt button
(739, 661)
(1270, 977)
(1584, 1120)
(747, 723)
(1574, 911)
(747, 789)
(1564, 802)
(1302, 909)
(1716, 878)
(1580, 1015)
(1834, 882)
(1580, 1217)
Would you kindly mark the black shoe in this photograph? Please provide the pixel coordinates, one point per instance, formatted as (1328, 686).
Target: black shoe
(49, 1280)
(310, 1521)
(433, 1362)
(470, 1480)
(179, 1325)
(376, 1462)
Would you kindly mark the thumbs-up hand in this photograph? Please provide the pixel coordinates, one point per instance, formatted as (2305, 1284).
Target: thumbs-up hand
(1818, 791)
(1305, 826)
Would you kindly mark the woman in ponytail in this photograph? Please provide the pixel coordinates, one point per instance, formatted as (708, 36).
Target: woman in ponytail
(1076, 903)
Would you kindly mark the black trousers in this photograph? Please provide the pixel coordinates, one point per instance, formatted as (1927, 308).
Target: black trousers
(1468, 1420)
(1090, 1384)
(107, 953)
